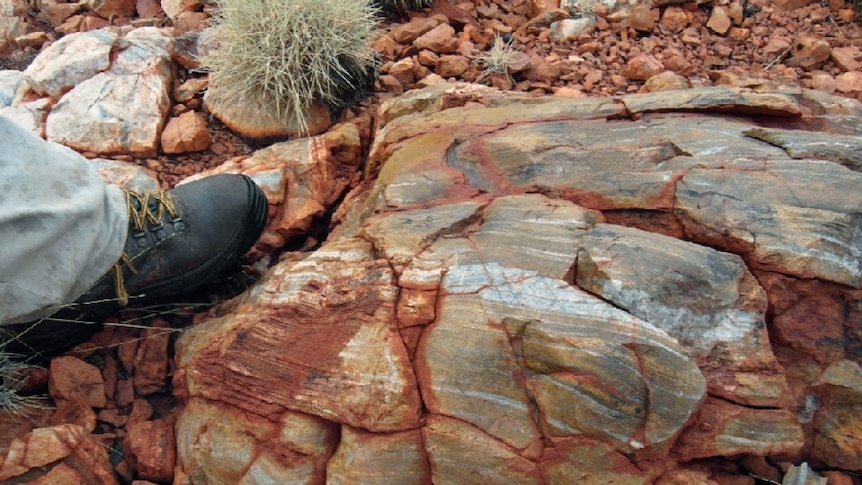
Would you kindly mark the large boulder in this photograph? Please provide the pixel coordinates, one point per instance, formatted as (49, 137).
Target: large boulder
(546, 291)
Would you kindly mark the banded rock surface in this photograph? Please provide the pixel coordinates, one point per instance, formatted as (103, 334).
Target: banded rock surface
(547, 290)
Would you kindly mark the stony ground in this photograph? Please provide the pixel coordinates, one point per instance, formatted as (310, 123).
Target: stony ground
(737, 43)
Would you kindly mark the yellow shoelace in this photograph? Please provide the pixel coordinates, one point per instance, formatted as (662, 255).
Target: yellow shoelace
(139, 216)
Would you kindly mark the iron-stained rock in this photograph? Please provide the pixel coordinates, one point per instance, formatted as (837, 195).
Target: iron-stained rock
(798, 217)
(392, 458)
(704, 298)
(316, 336)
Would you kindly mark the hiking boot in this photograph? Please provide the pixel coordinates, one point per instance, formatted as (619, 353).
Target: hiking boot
(178, 240)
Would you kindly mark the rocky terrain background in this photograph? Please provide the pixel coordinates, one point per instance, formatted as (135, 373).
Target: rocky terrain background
(567, 270)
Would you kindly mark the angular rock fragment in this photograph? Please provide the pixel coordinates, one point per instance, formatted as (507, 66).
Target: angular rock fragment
(121, 109)
(70, 61)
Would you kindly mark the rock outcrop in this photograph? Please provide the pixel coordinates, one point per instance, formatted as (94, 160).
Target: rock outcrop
(549, 290)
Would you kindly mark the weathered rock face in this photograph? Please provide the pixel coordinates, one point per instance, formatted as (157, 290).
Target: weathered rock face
(549, 291)
(302, 179)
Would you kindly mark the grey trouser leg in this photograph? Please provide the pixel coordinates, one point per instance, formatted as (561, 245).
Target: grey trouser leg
(61, 226)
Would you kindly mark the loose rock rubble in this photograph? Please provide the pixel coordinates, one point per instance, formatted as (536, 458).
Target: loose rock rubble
(548, 285)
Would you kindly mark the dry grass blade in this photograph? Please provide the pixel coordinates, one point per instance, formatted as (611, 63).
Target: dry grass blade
(498, 58)
(13, 377)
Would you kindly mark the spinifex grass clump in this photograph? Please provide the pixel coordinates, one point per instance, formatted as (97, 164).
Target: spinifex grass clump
(287, 54)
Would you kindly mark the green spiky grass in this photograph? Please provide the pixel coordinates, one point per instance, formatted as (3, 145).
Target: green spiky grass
(287, 54)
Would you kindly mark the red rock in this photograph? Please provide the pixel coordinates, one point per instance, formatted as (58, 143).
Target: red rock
(679, 65)
(501, 81)
(793, 4)
(190, 22)
(849, 82)
(75, 412)
(45, 446)
(808, 52)
(847, 58)
(847, 14)
(148, 8)
(109, 375)
(109, 9)
(776, 46)
(448, 66)
(823, 81)
(186, 133)
(538, 7)
(32, 39)
(113, 417)
(388, 48)
(403, 71)
(57, 12)
(738, 33)
(837, 478)
(125, 392)
(643, 67)
(665, 81)
(151, 449)
(60, 474)
(441, 39)
(142, 411)
(453, 12)
(675, 19)
(726, 429)
(151, 361)
(427, 58)
(407, 33)
(190, 88)
(72, 379)
(390, 83)
(567, 92)
(641, 18)
(543, 71)
(719, 21)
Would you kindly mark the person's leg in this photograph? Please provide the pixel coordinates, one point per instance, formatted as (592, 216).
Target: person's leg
(73, 250)
(62, 226)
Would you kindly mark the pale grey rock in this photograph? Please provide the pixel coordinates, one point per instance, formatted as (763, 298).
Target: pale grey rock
(567, 30)
(706, 299)
(798, 217)
(70, 61)
(126, 174)
(29, 115)
(11, 84)
(124, 108)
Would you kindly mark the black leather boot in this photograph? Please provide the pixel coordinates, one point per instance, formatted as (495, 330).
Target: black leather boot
(178, 241)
